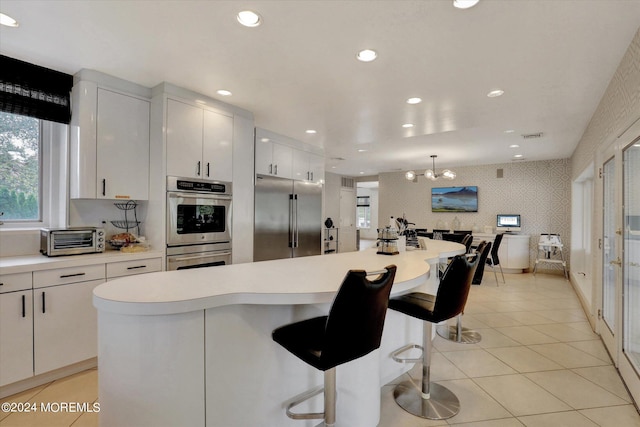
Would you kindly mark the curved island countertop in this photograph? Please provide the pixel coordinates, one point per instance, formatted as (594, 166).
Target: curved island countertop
(307, 280)
(179, 347)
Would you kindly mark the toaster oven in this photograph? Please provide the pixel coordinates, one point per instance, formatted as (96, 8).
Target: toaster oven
(71, 241)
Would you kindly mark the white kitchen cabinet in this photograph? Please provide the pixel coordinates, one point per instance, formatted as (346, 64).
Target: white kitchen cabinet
(199, 142)
(307, 166)
(129, 268)
(274, 159)
(16, 328)
(65, 325)
(64, 319)
(217, 146)
(109, 144)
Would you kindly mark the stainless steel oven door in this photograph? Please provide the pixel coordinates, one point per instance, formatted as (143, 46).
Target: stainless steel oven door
(194, 218)
(193, 258)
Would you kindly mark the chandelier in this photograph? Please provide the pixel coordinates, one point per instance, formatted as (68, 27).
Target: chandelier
(431, 173)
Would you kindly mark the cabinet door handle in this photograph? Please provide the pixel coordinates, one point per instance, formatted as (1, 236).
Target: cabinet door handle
(136, 267)
(43, 303)
(104, 187)
(198, 169)
(208, 164)
(275, 170)
(64, 276)
(24, 308)
(311, 176)
(270, 167)
(308, 176)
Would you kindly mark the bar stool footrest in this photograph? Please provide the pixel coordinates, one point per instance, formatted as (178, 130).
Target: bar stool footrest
(301, 398)
(396, 354)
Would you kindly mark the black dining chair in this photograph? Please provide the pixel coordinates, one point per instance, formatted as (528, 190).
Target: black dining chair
(493, 260)
(352, 329)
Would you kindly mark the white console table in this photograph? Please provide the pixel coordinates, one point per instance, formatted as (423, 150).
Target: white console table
(513, 251)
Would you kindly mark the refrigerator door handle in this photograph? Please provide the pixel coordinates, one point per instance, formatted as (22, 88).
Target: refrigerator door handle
(295, 211)
(291, 226)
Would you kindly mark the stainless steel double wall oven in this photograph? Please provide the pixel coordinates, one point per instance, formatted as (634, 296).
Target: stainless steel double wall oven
(198, 223)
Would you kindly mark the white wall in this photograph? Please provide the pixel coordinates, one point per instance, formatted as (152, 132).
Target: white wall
(539, 191)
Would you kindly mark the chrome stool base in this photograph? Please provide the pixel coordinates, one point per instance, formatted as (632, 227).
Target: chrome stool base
(441, 404)
(467, 336)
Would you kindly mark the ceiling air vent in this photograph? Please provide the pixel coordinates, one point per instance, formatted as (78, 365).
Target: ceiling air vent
(532, 135)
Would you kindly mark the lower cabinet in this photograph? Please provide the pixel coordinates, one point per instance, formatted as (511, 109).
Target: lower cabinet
(47, 317)
(64, 325)
(16, 336)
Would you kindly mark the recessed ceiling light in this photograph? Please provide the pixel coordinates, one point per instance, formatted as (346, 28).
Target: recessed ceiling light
(495, 93)
(8, 21)
(367, 55)
(517, 156)
(414, 100)
(464, 4)
(224, 92)
(509, 131)
(249, 18)
(310, 131)
(361, 173)
(514, 146)
(264, 139)
(407, 125)
(361, 150)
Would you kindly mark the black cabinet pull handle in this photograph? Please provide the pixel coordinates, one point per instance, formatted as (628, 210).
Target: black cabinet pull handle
(135, 267)
(43, 303)
(208, 168)
(104, 187)
(198, 170)
(24, 313)
(64, 276)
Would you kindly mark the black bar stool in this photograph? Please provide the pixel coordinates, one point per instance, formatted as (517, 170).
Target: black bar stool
(433, 401)
(352, 329)
(458, 333)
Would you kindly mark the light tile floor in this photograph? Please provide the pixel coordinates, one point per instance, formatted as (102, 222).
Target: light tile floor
(538, 364)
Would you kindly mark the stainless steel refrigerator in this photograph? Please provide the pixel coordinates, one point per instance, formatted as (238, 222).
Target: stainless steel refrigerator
(288, 218)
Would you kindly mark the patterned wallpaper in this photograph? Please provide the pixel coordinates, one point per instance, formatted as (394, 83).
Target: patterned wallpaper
(619, 108)
(539, 191)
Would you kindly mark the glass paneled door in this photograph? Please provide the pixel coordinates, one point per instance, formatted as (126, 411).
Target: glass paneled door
(631, 255)
(610, 258)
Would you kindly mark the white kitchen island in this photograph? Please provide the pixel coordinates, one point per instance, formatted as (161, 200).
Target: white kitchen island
(194, 347)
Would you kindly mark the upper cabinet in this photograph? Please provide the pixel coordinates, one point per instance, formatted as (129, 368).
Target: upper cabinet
(109, 144)
(274, 159)
(199, 142)
(308, 166)
(278, 155)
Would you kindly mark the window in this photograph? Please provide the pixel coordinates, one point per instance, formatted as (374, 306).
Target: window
(20, 168)
(363, 211)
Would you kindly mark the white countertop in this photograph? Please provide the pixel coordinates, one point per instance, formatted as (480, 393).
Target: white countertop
(27, 263)
(307, 280)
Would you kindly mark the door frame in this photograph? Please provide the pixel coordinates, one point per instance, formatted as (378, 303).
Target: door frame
(614, 148)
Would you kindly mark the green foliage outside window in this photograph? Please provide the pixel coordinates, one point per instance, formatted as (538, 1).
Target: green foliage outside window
(19, 167)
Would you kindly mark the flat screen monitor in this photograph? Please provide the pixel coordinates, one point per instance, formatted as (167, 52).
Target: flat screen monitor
(508, 222)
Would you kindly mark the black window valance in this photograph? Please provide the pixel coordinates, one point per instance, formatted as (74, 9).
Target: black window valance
(34, 91)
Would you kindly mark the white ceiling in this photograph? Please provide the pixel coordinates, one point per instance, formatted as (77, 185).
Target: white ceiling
(297, 71)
